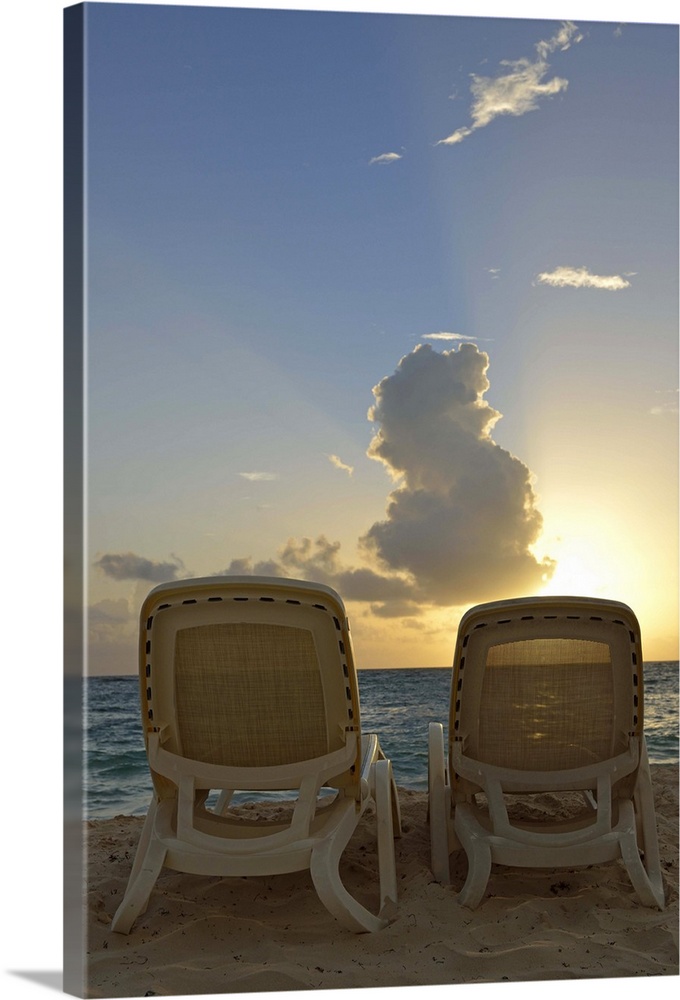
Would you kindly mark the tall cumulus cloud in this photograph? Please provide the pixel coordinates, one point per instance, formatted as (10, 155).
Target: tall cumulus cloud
(463, 517)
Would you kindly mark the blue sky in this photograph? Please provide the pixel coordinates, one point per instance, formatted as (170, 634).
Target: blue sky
(287, 209)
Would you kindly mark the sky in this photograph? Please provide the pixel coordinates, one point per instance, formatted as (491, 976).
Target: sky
(386, 301)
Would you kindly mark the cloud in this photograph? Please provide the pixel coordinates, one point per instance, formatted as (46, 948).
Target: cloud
(463, 518)
(339, 464)
(580, 277)
(322, 554)
(668, 408)
(397, 609)
(385, 158)
(567, 36)
(519, 88)
(108, 614)
(256, 477)
(128, 566)
(319, 560)
(455, 137)
(246, 567)
(446, 336)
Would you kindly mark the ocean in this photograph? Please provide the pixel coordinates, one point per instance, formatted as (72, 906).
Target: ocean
(396, 704)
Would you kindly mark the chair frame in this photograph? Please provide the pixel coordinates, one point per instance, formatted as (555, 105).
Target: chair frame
(619, 821)
(181, 833)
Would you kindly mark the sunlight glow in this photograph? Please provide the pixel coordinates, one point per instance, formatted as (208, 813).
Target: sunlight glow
(577, 573)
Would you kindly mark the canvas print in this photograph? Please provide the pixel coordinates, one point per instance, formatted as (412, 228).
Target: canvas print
(371, 600)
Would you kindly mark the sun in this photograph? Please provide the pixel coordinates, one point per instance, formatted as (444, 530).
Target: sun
(575, 574)
(580, 571)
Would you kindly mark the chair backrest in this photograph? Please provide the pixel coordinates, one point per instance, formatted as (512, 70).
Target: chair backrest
(248, 672)
(547, 684)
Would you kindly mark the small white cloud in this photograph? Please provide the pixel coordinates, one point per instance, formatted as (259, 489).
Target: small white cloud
(455, 137)
(255, 477)
(339, 464)
(385, 158)
(445, 336)
(580, 277)
(493, 271)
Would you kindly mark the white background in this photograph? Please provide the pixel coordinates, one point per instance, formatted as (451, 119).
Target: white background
(31, 891)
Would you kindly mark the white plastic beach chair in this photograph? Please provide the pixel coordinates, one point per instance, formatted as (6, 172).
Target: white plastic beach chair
(546, 696)
(249, 683)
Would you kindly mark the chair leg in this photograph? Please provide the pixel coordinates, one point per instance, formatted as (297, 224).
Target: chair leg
(439, 805)
(145, 871)
(324, 869)
(643, 801)
(395, 806)
(479, 860)
(144, 839)
(646, 878)
(223, 800)
(384, 799)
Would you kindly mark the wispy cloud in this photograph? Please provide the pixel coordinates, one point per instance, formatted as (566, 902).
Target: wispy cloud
(668, 407)
(445, 336)
(385, 158)
(517, 90)
(339, 464)
(493, 271)
(580, 277)
(567, 36)
(256, 477)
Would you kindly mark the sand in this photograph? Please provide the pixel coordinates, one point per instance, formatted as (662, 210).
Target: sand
(213, 935)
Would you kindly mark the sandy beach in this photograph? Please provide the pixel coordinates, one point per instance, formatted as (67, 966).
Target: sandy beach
(211, 935)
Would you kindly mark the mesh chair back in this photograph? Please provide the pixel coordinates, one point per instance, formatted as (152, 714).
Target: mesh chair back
(247, 672)
(547, 684)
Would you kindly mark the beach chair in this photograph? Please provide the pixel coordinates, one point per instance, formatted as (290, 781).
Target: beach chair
(248, 683)
(546, 697)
